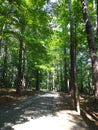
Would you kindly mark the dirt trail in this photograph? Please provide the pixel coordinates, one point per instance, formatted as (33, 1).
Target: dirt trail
(46, 110)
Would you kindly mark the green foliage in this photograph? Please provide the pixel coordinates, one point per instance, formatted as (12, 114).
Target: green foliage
(45, 32)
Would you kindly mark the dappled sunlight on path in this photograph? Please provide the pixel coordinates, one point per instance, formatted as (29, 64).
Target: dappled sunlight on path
(63, 120)
(46, 110)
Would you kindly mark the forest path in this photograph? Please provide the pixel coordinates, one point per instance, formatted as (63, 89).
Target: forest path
(45, 110)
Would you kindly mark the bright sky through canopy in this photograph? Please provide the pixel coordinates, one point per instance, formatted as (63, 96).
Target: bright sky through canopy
(53, 0)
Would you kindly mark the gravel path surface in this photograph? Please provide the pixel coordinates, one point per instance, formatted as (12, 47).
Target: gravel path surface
(43, 111)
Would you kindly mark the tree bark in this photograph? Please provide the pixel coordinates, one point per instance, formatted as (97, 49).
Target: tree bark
(97, 19)
(65, 73)
(20, 73)
(61, 78)
(91, 44)
(72, 60)
(37, 80)
(4, 71)
(53, 81)
(47, 83)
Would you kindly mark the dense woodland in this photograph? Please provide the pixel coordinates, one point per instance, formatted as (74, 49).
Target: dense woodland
(49, 45)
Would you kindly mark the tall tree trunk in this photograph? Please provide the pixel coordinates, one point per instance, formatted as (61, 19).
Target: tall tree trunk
(58, 78)
(53, 80)
(4, 71)
(47, 81)
(61, 77)
(91, 44)
(1, 30)
(50, 81)
(0, 45)
(72, 60)
(37, 80)
(24, 67)
(20, 73)
(76, 68)
(97, 19)
(65, 73)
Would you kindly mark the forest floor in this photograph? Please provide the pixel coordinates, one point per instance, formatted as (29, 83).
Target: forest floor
(45, 110)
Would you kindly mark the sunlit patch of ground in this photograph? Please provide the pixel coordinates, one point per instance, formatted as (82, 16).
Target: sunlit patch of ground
(63, 120)
(52, 94)
(35, 112)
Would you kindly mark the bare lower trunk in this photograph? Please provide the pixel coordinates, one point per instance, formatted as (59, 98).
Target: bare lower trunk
(53, 82)
(65, 73)
(37, 80)
(20, 73)
(95, 74)
(4, 71)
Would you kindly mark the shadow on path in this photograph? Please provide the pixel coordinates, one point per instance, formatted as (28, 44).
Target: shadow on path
(50, 105)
